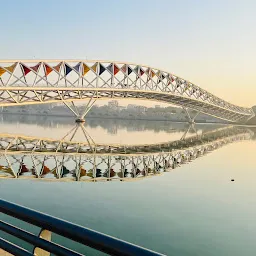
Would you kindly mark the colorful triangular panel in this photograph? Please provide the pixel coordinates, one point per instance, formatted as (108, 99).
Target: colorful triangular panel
(136, 70)
(102, 69)
(124, 68)
(47, 69)
(11, 68)
(65, 171)
(82, 171)
(2, 71)
(77, 67)
(23, 168)
(24, 69)
(160, 77)
(45, 170)
(110, 68)
(85, 69)
(67, 69)
(129, 70)
(116, 69)
(36, 67)
(94, 67)
(57, 68)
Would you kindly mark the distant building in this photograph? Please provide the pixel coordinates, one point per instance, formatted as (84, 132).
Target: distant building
(136, 108)
(141, 109)
(131, 107)
(113, 104)
(120, 108)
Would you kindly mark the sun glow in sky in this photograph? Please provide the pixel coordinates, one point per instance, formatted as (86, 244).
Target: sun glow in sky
(210, 43)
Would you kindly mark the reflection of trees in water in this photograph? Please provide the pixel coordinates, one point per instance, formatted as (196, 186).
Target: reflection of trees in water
(253, 129)
(111, 125)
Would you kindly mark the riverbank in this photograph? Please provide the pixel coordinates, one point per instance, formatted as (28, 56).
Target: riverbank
(160, 118)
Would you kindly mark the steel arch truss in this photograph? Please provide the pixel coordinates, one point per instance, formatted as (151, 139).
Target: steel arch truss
(34, 82)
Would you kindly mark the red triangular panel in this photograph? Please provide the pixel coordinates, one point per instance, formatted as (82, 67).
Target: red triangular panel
(124, 68)
(36, 67)
(25, 69)
(57, 68)
(48, 69)
(116, 69)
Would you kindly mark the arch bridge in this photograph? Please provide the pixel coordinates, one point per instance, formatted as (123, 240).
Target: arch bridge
(50, 81)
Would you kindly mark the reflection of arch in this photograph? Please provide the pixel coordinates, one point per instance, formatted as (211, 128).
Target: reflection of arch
(6, 170)
(65, 171)
(119, 166)
(74, 131)
(27, 144)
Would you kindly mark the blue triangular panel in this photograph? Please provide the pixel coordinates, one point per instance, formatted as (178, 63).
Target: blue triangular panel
(77, 67)
(67, 69)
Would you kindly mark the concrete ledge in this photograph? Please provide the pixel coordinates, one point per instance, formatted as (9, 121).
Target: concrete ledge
(4, 253)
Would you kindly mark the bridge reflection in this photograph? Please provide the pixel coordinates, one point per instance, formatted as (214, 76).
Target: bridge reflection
(30, 157)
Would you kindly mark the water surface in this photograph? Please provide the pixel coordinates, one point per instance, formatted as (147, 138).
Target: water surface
(192, 210)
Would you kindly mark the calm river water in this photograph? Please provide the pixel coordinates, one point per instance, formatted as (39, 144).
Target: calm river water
(191, 210)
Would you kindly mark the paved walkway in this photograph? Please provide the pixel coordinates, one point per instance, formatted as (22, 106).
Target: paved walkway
(3, 253)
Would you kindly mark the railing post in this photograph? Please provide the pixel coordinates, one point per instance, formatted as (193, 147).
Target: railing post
(46, 235)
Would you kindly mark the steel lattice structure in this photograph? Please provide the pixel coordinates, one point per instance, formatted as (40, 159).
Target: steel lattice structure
(25, 144)
(42, 81)
(111, 166)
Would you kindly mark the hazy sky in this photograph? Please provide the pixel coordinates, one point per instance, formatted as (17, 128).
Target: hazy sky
(210, 43)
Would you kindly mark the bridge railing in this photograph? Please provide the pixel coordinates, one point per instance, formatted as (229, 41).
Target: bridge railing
(82, 235)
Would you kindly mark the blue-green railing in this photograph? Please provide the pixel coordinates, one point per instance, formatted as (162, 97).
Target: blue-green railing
(82, 235)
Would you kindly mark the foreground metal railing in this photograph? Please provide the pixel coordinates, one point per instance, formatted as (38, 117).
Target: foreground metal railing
(42, 243)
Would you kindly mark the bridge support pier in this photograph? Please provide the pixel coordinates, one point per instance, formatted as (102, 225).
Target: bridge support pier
(80, 117)
(191, 120)
(191, 127)
(87, 136)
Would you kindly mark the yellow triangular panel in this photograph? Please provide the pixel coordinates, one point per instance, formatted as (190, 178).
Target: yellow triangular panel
(11, 68)
(2, 71)
(94, 67)
(86, 69)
